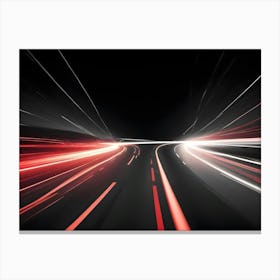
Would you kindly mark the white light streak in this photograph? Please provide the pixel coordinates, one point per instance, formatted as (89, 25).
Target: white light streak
(239, 180)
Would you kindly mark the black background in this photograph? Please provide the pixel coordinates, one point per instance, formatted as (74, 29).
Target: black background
(150, 94)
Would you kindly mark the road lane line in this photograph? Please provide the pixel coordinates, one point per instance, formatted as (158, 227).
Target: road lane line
(153, 174)
(176, 211)
(81, 218)
(130, 160)
(160, 225)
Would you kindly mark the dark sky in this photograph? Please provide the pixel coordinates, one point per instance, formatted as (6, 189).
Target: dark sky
(150, 94)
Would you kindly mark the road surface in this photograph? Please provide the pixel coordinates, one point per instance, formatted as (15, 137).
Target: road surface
(139, 187)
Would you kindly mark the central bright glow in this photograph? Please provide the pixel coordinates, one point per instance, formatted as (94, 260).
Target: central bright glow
(222, 142)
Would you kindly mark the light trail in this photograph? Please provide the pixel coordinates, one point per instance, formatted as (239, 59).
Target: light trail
(159, 219)
(244, 114)
(37, 139)
(153, 174)
(190, 127)
(78, 126)
(83, 216)
(235, 163)
(197, 141)
(84, 89)
(228, 106)
(204, 94)
(48, 161)
(65, 183)
(176, 211)
(51, 178)
(210, 79)
(229, 156)
(239, 180)
(63, 90)
(130, 161)
(32, 114)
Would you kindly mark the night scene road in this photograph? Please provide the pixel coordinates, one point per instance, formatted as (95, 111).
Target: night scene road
(149, 163)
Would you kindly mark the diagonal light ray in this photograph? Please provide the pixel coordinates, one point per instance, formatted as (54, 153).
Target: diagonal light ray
(190, 127)
(78, 126)
(228, 106)
(204, 93)
(210, 80)
(230, 175)
(32, 114)
(84, 89)
(235, 120)
(63, 90)
(229, 156)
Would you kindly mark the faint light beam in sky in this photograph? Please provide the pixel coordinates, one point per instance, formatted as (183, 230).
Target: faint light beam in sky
(82, 86)
(228, 106)
(63, 90)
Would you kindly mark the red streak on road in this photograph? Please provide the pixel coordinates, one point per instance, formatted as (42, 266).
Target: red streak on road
(240, 165)
(77, 222)
(153, 174)
(50, 160)
(160, 225)
(52, 177)
(242, 172)
(176, 211)
(65, 183)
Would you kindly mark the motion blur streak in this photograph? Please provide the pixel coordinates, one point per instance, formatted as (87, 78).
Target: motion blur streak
(177, 214)
(46, 161)
(63, 90)
(190, 161)
(76, 223)
(240, 180)
(229, 156)
(65, 183)
(153, 174)
(50, 178)
(160, 225)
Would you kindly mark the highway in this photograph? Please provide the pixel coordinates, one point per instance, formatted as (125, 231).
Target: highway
(128, 186)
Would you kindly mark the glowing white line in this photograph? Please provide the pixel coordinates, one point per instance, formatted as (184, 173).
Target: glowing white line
(82, 86)
(222, 142)
(228, 106)
(78, 126)
(63, 90)
(208, 84)
(227, 155)
(235, 120)
(32, 114)
(191, 126)
(241, 181)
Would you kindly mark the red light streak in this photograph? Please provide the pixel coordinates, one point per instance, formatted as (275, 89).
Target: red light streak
(65, 183)
(47, 161)
(177, 214)
(82, 217)
(160, 225)
(153, 174)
